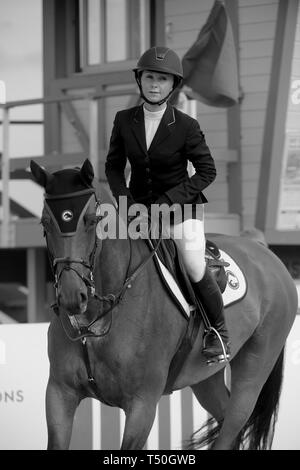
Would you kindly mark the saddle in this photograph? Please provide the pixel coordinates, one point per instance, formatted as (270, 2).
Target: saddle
(169, 256)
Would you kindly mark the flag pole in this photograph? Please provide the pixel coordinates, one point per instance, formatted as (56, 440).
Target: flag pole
(192, 111)
(192, 108)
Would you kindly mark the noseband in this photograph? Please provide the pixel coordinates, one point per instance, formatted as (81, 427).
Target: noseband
(67, 261)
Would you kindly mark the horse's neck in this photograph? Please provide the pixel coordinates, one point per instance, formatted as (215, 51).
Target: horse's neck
(118, 256)
(113, 263)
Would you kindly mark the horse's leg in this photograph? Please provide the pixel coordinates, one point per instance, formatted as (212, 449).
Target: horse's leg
(61, 404)
(250, 370)
(213, 395)
(139, 420)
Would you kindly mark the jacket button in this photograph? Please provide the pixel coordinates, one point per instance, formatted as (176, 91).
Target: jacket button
(148, 170)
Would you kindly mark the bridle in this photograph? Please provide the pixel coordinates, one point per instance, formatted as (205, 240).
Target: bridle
(112, 299)
(67, 261)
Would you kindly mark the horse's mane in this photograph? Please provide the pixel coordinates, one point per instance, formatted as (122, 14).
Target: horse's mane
(103, 193)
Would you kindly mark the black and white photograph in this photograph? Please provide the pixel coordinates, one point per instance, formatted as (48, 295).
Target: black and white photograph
(149, 228)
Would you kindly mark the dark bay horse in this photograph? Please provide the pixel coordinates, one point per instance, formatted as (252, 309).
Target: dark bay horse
(117, 329)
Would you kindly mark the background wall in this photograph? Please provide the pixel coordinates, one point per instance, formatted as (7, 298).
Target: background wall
(24, 373)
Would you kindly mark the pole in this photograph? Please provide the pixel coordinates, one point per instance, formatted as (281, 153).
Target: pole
(192, 111)
(94, 150)
(5, 180)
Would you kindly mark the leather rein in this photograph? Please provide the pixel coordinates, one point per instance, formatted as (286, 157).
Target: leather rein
(113, 298)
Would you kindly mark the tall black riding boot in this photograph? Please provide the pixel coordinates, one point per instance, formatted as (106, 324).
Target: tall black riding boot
(216, 340)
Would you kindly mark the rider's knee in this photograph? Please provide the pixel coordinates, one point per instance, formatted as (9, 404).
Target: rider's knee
(195, 266)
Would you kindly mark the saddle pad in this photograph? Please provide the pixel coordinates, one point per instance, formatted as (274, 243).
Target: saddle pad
(235, 290)
(236, 286)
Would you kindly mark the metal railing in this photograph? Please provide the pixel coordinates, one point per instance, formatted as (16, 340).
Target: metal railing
(7, 164)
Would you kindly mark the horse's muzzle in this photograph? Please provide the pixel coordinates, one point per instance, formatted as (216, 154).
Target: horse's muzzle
(72, 294)
(74, 306)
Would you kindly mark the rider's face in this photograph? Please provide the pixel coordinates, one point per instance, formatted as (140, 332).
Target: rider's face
(156, 85)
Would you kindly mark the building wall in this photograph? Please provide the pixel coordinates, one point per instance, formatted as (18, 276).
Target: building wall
(256, 33)
(257, 25)
(256, 30)
(288, 207)
(183, 22)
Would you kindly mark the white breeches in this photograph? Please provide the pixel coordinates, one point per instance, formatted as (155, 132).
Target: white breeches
(190, 239)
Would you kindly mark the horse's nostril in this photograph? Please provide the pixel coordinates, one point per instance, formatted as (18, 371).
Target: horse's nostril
(83, 297)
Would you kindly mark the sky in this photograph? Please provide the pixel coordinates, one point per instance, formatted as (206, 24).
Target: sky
(21, 70)
(21, 48)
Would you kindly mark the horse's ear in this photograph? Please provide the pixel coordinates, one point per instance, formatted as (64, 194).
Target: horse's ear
(87, 172)
(41, 176)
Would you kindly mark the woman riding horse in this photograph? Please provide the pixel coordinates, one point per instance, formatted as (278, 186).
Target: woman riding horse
(159, 141)
(112, 339)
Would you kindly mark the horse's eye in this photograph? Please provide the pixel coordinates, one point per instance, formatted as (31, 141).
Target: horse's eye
(46, 221)
(90, 220)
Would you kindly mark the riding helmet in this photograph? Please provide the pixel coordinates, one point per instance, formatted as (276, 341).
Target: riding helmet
(160, 59)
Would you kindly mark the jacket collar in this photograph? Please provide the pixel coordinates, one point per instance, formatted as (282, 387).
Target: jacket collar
(165, 127)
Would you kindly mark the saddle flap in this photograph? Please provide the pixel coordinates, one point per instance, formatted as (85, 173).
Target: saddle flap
(172, 259)
(229, 276)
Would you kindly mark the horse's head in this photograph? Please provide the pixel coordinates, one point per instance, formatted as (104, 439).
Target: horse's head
(69, 219)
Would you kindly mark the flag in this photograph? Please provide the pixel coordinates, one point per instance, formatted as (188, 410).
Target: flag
(210, 65)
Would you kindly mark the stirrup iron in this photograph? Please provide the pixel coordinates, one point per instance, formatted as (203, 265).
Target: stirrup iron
(221, 357)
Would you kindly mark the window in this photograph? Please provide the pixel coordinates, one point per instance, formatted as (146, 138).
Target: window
(288, 217)
(112, 31)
